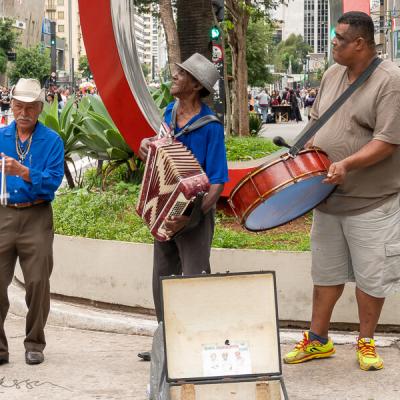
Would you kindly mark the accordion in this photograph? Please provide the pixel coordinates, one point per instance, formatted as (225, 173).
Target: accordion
(172, 180)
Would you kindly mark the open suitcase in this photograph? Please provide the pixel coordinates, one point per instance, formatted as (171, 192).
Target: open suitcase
(221, 337)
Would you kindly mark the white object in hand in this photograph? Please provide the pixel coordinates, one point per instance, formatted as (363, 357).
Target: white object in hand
(3, 190)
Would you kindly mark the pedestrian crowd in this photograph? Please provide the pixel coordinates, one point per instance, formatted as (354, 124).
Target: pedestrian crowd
(267, 104)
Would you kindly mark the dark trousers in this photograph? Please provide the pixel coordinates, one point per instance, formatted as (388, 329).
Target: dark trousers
(27, 234)
(188, 254)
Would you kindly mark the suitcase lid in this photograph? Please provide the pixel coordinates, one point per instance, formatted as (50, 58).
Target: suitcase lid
(219, 326)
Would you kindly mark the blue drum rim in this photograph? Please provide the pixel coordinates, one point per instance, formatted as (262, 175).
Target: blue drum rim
(279, 189)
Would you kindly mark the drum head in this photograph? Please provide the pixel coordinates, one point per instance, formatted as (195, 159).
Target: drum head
(290, 202)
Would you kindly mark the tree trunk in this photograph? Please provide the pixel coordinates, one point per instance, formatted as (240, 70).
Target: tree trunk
(68, 175)
(171, 34)
(237, 42)
(194, 21)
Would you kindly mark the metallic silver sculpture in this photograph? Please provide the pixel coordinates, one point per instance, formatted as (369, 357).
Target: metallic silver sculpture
(123, 16)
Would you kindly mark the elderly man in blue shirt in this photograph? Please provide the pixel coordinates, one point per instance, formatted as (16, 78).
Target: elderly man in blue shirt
(189, 252)
(32, 159)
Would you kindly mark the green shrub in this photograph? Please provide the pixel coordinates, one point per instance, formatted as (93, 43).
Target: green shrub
(248, 148)
(255, 124)
(111, 215)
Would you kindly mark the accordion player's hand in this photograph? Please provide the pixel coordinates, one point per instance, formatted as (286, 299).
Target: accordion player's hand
(176, 223)
(144, 148)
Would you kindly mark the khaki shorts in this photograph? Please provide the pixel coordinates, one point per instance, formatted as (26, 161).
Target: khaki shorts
(362, 248)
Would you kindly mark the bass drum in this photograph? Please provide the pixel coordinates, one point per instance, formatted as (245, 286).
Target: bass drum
(281, 191)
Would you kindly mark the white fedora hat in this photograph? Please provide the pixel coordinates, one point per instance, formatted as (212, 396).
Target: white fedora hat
(28, 91)
(202, 69)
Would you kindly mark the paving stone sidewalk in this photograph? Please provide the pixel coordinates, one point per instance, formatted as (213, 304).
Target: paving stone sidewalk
(83, 365)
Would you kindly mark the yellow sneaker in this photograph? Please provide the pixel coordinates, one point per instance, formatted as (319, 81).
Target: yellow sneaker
(367, 356)
(307, 350)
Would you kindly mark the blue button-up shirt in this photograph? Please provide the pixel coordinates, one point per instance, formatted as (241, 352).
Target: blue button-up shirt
(45, 161)
(206, 143)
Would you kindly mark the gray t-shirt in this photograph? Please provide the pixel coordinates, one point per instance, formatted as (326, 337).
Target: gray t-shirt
(372, 112)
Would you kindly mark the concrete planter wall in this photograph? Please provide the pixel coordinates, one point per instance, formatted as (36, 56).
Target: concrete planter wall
(121, 273)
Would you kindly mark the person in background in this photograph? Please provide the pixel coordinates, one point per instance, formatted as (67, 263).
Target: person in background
(263, 104)
(50, 98)
(5, 101)
(308, 103)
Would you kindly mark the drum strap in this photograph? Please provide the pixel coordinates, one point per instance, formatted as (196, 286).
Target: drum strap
(309, 132)
(192, 127)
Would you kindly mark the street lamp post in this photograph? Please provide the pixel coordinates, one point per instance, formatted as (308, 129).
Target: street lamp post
(71, 61)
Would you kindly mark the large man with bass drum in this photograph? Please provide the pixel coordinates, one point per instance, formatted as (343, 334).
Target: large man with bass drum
(356, 231)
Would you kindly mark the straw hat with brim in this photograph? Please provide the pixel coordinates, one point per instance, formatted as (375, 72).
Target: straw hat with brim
(202, 69)
(28, 91)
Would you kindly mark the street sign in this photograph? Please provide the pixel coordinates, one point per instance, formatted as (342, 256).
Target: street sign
(217, 53)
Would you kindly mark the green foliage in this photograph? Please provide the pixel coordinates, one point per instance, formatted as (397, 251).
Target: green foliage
(248, 148)
(103, 140)
(8, 41)
(255, 124)
(293, 50)
(111, 215)
(32, 62)
(3, 61)
(162, 96)
(100, 215)
(8, 35)
(65, 123)
(84, 67)
(259, 51)
(146, 69)
(258, 55)
(88, 130)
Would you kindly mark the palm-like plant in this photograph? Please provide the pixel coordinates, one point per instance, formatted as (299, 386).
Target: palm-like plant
(102, 138)
(65, 123)
(162, 96)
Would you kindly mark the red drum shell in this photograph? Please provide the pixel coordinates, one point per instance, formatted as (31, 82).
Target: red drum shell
(270, 178)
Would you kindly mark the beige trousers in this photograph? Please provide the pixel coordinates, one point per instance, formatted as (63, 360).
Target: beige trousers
(27, 234)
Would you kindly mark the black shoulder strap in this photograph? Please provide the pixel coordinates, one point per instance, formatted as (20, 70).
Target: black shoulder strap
(309, 132)
(189, 128)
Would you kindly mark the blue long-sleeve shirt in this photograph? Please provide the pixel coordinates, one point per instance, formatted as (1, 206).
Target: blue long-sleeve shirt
(45, 161)
(206, 143)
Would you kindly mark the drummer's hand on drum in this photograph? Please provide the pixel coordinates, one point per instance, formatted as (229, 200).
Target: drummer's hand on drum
(336, 174)
(175, 224)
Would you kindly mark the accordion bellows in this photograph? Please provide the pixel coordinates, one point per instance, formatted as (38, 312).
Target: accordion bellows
(172, 180)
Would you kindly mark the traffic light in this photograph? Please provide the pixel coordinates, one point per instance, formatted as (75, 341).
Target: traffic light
(53, 46)
(215, 34)
(332, 32)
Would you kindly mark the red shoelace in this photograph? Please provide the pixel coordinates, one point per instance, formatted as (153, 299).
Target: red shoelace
(304, 342)
(367, 349)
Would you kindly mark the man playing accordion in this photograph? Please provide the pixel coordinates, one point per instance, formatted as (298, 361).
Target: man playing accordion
(188, 251)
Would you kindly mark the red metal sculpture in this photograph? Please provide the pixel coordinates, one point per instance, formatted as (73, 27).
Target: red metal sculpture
(104, 56)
